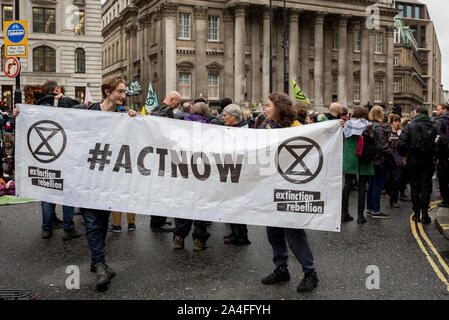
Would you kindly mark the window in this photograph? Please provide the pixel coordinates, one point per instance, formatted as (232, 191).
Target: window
(44, 20)
(312, 38)
(184, 26)
(409, 12)
(80, 61)
(378, 94)
(357, 43)
(417, 12)
(80, 93)
(185, 85)
(423, 36)
(356, 90)
(334, 89)
(397, 86)
(396, 61)
(335, 39)
(379, 42)
(7, 14)
(397, 36)
(212, 28)
(414, 31)
(44, 59)
(401, 10)
(80, 26)
(213, 86)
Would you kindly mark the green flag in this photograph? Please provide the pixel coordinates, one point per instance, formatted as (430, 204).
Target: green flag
(132, 107)
(299, 94)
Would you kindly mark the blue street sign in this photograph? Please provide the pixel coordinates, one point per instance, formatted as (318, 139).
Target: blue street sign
(16, 32)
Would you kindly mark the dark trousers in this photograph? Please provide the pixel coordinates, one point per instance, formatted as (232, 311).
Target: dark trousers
(48, 215)
(375, 185)
(183, 226)
(420, 177)
(443, 180)
(393, 183)
(96, 231)
(157, 222)
(298, 243)
(239, 231)
(361, 189)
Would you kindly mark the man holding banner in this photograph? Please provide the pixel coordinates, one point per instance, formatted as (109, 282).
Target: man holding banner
(97, 221)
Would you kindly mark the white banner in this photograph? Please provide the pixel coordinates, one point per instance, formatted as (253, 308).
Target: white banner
(150, 165)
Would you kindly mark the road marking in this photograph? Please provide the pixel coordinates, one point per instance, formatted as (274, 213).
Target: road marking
(432, 247)
(426, 253)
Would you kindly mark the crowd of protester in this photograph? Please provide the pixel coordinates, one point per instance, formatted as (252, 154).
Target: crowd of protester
(383, 153)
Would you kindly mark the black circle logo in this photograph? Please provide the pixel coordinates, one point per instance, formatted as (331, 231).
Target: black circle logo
(39, 136)
(304, 152)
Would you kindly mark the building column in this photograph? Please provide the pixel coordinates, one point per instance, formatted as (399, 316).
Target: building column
(318, 99)
(293, 50)
(266, 56)
(390, 65)
(228, 22)
(169, 12)
(342, 59)
(364, 65)
(200, 52)
(305, 48)
(255, 60)
(239, 73)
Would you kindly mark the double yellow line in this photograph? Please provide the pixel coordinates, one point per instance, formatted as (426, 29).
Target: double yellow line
(434, 265)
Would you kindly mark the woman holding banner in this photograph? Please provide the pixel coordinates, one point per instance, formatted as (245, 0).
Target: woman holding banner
(280, 111)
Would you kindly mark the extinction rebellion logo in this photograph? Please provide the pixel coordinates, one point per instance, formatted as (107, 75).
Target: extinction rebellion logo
(46, 141)
(299, 160)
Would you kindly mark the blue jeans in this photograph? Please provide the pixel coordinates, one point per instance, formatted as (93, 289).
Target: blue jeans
(297, 240)
(48, 215)
(97, 222)
(375, 185)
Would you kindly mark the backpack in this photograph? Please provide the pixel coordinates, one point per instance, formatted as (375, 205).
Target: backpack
(163, 112)
(368, 145)
(424, 140)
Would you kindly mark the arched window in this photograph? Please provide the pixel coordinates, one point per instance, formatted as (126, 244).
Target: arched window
(80, 61)
(44, 59)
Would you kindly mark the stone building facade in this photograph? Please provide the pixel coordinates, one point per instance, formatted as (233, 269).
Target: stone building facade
(415, 16)
(221, 48)
(64, 44)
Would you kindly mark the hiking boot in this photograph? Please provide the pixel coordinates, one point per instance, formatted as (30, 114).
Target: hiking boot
(379, 215)
(198, 245)
(46, 234)
(93, 268)
(280, 274)
(346, 217)
(425, 218)
(416, 217)
(308, 283)
(71, 234)
(104, 276)
(361, 219)
(178, 243)
(131, 226)
(57, 223)
(116, 229)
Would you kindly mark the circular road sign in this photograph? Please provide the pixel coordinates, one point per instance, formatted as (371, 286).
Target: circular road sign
(16, 32)
(11, 67)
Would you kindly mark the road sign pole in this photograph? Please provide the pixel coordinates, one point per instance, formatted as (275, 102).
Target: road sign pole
(18, 92)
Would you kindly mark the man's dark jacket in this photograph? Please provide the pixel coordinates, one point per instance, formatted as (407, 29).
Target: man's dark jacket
(49, 100)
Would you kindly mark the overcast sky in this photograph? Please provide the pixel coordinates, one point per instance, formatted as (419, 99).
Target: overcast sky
(438, 13)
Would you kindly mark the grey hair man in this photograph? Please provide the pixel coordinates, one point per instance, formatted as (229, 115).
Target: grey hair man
(334, 111)
(171, 102)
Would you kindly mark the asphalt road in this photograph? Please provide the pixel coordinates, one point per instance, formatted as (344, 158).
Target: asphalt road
(148, 268)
